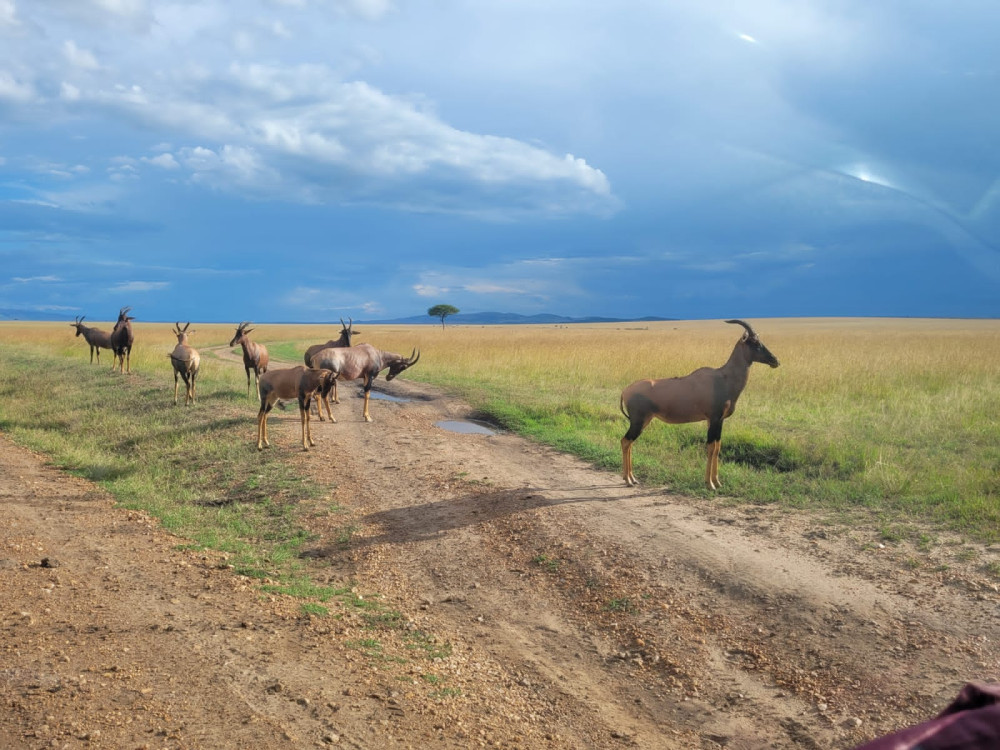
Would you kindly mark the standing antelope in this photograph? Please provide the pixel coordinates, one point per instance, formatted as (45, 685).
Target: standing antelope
(346, 332)
(297, 382)
(121, 341)
(361, 362)
(97, 338)
(186, 362)
(255, 356)
(706, 394)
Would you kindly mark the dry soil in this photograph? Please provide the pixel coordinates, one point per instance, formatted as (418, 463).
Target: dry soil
(518, 598)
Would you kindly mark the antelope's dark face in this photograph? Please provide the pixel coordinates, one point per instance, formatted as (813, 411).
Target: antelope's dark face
(759, 352)
(347, 331)
(240, 333)
(397, 367)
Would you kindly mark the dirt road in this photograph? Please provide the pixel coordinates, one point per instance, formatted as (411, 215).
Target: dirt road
(537, 603)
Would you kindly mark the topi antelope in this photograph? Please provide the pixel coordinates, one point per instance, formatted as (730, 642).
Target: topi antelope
(300, 382)
(361, 362)
(255, 356)
(708, 394)
(97, 338)
(121, 341)
(186, 362)
(346, 332)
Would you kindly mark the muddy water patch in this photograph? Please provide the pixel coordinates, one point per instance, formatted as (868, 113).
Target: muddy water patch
(377, 395)
(465, 427)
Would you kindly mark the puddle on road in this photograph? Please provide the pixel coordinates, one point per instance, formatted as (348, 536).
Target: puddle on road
(465, 427)
(386, 397)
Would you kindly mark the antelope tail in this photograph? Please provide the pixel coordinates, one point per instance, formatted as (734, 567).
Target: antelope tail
(621, 405)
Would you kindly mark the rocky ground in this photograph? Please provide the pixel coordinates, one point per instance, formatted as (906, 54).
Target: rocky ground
(505, 595)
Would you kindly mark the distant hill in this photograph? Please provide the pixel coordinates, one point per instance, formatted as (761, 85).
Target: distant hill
(7, 313)
(499, 318)
(462, 319)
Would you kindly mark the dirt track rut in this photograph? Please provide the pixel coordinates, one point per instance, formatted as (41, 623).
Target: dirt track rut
(576, 612)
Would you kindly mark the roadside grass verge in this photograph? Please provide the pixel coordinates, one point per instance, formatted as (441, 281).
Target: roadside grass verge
(896, 418)
(196, 469)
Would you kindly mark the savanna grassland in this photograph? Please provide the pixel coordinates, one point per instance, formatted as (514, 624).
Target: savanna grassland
(399, 585)
(894, 416)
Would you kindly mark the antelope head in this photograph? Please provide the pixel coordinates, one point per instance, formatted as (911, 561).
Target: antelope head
(182, 333)
(758, 352)
(78, 324)
(347, 330)
(241, 331)
(402, 363)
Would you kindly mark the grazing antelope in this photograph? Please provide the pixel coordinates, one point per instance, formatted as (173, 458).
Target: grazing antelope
(255, 356)
(186, 362)
(297, 382)
(121, 341)
(97, 338)
(346, 332)
(706, 394)
(361, 362)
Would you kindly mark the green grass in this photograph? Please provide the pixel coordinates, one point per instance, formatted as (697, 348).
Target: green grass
(895, 419)
(196, 469)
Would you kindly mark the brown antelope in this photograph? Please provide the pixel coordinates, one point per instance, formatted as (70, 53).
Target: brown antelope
(708, 394)
(255, 356)
(186, 362)
(121, 341)
(97, 338)
(299, 382)
(346, 332)
(361, 362)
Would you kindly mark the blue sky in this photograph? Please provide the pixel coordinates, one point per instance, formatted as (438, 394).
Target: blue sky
(303, 160)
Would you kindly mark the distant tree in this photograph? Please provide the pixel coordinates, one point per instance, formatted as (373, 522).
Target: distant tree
(442, 311)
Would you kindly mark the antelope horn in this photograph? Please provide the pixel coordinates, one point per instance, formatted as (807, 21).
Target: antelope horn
(750, 331)
(413, 360)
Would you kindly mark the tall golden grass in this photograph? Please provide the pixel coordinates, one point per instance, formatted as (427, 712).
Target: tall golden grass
(896, 410)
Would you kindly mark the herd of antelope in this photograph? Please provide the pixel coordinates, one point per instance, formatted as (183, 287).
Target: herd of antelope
(325, 364)
(705, 395)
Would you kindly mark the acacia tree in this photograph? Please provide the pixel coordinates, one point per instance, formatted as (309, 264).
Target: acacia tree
(442, 311)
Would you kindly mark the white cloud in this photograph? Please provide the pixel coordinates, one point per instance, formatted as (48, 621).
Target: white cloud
(69, 92)
(430, 290)
(165, 161)
(485, 287)
(14, 90)
(8, 13)
(31, 279)
(140, 286)
(297, 132)
(79, 58)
